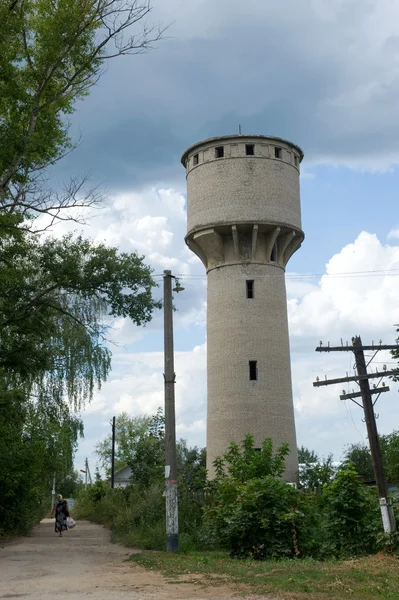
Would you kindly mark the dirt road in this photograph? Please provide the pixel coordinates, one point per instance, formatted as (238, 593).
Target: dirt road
(84, 564)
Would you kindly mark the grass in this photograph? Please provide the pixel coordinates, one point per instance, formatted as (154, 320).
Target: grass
(367, 578)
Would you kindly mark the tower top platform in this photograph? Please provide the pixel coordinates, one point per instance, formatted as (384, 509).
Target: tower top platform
(240, 137)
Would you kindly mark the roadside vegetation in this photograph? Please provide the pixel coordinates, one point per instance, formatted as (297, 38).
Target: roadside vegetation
(247, 511)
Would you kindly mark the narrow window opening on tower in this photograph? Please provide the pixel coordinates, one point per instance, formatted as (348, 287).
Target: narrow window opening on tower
(295, 160)
(250, 288)
(219, 152)
(278, 152)
(273, 257)
(253, 370)
(249, 149)
(195, 159)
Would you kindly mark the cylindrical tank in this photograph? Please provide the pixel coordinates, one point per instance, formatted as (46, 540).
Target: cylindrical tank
(244, 223)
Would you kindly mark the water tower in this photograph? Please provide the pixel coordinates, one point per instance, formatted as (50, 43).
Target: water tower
(244, 223)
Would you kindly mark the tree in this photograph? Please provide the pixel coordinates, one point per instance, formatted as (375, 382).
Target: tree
(128, 432)
(51, 53)
(314, 473)
(38, 437)
(359, 455)
(306, 456)
(70, 484)
(57, 296)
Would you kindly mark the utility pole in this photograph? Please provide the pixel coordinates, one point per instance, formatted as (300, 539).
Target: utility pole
(362, 379)
(113, 455)
(172, 520)
(53, 494)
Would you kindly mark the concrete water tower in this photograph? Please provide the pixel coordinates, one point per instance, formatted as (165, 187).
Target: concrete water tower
(244, 223)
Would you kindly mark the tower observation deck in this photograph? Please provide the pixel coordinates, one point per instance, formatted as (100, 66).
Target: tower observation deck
(244, 223)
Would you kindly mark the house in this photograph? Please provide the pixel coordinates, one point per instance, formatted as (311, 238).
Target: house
(122, 477)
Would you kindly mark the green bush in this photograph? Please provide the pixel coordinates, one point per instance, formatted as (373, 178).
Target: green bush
(257, 518)
(251, 510)
(352, 515)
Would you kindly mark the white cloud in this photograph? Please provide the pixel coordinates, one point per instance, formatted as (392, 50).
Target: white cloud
(358, 293)
(393, 234)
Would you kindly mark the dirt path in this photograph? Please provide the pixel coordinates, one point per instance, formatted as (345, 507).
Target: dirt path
(84, 564)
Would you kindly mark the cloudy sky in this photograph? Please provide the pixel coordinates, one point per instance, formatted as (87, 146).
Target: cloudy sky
(323, 74)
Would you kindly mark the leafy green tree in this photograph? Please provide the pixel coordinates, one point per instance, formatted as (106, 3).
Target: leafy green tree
(51, 53)
(148, 460)
(70, 484)
(314, 473)
(129, 431)
(306, 456)
(58, 295)
(359, 455)
(37, 439)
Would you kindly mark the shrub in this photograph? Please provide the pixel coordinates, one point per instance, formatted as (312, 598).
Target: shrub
(352, 515)
(253, 512)
(257, 518)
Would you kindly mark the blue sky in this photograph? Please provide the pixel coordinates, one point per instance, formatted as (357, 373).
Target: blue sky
(323, 74)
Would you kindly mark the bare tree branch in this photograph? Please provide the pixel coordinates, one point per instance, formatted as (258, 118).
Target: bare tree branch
(57, 84)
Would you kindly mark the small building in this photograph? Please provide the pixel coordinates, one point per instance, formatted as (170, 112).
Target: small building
(122, 477)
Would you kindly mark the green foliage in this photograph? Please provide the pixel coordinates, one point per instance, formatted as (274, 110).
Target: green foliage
(247, 462)
(136, 514)
(352, 515)
(139, 444)
(359, 455)
(247, 509)
(147, 461)
(313, 472)
(307, 456)
(252, 511)
(255, 518)
(53, 310)
(37, 439)
(70, 484)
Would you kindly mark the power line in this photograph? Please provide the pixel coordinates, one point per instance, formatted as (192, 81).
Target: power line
(344, 274)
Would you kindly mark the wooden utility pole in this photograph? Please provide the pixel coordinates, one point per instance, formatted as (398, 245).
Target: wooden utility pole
(113, 455)
(172, 519)
(362, 378)
(53, 494)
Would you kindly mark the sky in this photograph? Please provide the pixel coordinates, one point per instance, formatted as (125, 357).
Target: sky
(322, 74)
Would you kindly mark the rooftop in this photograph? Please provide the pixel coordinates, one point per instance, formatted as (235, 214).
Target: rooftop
(238, 136)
